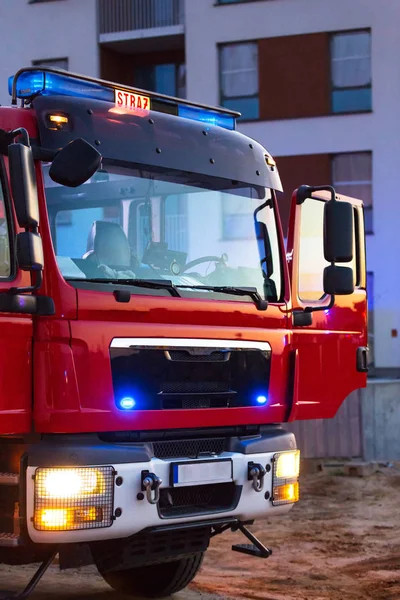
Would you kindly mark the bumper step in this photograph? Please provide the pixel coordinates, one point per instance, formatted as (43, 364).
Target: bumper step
(255, 548)
(9, 540)
(9, 478)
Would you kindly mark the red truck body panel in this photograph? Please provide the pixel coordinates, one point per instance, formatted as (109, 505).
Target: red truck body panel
(73, 390)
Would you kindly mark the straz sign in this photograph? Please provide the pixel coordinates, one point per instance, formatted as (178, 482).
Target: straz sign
(131, 101)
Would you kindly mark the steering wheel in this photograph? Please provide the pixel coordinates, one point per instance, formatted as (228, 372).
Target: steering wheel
(202, 259)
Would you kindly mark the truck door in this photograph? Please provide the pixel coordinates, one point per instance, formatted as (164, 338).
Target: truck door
(15, 329)
(329, 345)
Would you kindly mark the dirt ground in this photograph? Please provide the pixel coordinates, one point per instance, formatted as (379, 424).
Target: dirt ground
(342, 541)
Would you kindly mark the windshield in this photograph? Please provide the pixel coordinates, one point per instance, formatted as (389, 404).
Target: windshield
(131, 223)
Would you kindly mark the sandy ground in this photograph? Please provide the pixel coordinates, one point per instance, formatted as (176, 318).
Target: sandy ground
(342, 541)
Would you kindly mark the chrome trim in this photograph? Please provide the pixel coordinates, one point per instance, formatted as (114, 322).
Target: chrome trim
(171, 343)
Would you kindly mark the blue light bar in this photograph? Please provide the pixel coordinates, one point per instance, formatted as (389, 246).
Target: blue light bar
(207, 116)
(31, 83)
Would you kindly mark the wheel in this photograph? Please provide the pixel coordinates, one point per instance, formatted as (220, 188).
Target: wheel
(157, 580)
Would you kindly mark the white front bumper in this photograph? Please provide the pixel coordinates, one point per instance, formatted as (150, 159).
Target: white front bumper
(137, 514)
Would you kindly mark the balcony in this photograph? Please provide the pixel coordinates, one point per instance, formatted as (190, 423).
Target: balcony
(141, 25)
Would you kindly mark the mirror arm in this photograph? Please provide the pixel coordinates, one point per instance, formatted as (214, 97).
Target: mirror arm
(44, 154)
(311, 309)
(305, 192)
(31, 288)
(303, 317)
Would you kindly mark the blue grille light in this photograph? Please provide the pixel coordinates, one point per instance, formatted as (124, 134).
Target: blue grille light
(31, 83)
(207, 116)
(127, 403)
(261, 399)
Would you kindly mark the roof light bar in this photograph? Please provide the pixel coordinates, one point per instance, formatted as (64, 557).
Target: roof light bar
(30, 82)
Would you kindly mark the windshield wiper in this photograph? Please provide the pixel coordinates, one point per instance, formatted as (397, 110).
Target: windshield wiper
(260, 303)
(153, 284)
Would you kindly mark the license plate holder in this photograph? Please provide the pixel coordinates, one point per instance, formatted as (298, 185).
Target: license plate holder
(201, 472)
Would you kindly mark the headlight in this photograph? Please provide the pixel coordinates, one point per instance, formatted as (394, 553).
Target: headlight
(73, 498)
(285, 478)
(287, 465)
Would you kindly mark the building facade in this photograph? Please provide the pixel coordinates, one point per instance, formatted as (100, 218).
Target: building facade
(316, 82)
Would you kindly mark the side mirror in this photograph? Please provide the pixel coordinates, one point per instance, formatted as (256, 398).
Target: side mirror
(338, 231)
(264, 247)
(30, 251)
(23, 185)
(75, 163)
(338, 281)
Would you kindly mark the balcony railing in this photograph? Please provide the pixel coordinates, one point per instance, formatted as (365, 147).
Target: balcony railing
(130, 15)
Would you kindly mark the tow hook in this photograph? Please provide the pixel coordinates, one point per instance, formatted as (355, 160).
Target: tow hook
(256, 474)
(151, 485)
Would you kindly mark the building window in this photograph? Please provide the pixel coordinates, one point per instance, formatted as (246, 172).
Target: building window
(351, 72)
(352, 176)
(234, 1)
(239, 78)
(56, 63)
(169, 79)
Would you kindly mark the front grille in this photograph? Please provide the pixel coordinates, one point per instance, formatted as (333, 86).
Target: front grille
(198, 499)
(164, 378)
(189, 448)
(194, 387)
(196, 403)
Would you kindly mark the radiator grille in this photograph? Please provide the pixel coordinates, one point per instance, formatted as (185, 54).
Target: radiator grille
(197, 499)
(189, 448)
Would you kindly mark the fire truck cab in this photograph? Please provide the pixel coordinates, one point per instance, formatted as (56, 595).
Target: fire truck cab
(155, 332)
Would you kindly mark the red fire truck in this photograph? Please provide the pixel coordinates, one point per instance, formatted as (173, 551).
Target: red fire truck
(156, 332)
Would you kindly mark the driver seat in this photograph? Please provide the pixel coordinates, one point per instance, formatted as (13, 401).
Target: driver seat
(107, 244)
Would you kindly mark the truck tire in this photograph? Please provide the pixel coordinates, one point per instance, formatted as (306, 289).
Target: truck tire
(157, 580)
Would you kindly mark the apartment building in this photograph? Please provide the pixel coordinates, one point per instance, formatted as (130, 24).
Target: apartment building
(316, 82)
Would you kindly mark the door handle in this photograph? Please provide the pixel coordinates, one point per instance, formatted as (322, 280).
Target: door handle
(362, 359)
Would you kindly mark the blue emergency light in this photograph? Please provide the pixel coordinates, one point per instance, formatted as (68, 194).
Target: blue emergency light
(262, 399)
(32, 82)
(206, 116)
(128, 403)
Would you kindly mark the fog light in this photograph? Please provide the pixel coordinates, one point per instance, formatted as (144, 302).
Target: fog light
(54, 518)
(285, 476)
(286, 494)
(67, 518)
(73, 498)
